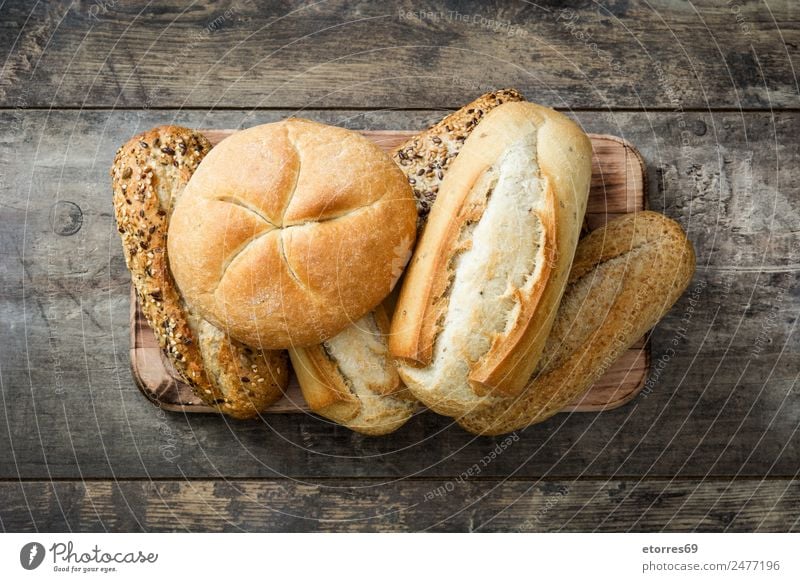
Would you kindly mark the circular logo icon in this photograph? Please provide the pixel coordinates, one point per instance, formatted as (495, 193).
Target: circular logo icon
(31, 555)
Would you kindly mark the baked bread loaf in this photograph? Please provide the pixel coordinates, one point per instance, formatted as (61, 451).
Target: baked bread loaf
(624, 279)
(351, 379)
(482, 288)
(289, 232)
(426, 157)
(366, 394)
(149, 175)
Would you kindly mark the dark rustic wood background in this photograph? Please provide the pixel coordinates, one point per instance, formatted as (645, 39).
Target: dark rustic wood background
(708, 92)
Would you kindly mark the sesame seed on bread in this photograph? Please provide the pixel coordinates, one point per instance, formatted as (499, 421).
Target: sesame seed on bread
(426, 157)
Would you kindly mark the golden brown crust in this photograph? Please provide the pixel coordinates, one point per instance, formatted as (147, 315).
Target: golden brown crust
(290, 231)
(426, 157)
(563, 157)
(352, 380)
(148, 176)
(624, 279)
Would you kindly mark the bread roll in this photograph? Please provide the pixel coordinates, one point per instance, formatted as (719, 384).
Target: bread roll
(149, 175)
(369, 397)
(351, 379)
(426, 157)
(289, 232)
(624, 279)
(483, 285)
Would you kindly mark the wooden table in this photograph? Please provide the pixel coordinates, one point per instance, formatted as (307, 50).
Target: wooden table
(707, 91)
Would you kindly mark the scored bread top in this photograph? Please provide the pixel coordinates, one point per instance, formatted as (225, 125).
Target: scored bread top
(625, 277)
(290, 231)
(426, 157)
(352, 380)
(503, 231)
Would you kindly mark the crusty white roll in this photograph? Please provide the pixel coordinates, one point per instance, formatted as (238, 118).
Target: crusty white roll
(352, 379)
(483, 286)
(625, 277)
(289, 232)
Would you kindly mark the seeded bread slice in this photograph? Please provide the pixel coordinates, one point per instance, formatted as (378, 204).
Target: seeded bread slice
(625, 277)
(426, 157)
(148, 176)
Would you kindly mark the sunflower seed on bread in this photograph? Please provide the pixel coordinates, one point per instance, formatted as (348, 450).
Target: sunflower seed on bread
(425, 157)
(148, 176)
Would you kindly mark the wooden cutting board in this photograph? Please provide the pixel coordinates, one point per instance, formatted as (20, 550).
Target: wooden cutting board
(618, 187)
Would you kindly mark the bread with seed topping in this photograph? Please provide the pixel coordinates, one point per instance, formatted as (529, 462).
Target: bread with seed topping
(426, 157)
(148, 176)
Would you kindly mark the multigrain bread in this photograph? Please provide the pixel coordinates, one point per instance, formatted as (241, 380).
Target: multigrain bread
(289, 232)
(426, 157)
(351, 379)
(149, 175)
(624, 279)
(482, 288)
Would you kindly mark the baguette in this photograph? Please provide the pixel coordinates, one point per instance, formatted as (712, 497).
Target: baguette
(148, 177)
(482, 288)
(351, 379)
(625, 277)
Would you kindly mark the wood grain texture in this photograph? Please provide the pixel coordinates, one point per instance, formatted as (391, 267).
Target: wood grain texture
(724, 403)
(407, 54)
(706, 89)
(617, 187)
(616, 505)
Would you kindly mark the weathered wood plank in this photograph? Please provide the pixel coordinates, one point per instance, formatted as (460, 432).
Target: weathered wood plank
(410, 505)
(725, 402)
(299, 55)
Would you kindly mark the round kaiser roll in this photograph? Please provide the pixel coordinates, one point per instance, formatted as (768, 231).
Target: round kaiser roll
(289, 232)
